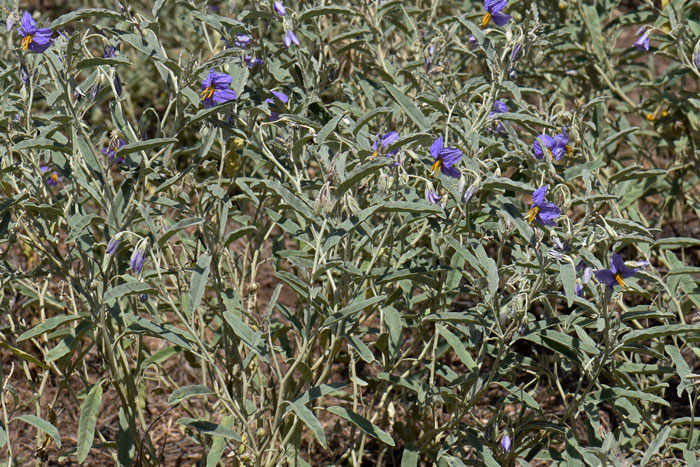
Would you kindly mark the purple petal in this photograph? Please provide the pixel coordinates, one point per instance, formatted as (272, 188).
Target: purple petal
(539, 194)
(432, 197)
(606, 277)
(281, 96)
(500, 107)
(492, 6)
(617, 264)
(279, 8)
(28, 24)
(220, 80)
(450, 156)
(389, 138)
(547, 213)
(501, 19)
(223, 95)
(451, 171)
(436, 148)
(587, 275)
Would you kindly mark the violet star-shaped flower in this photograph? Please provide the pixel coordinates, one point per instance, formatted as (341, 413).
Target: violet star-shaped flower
(138, 258)
(383, 142)
(53, 177)
(215, 89)
(493, 11)
(541, 210)
(617, 273)
(282, 97)
(36, 40)
(445, 159)
(556, 146)
(111, 151)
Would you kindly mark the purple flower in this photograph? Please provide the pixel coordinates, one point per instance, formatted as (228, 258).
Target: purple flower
(617, 273)
(111, 151)
(499, 107)
(587, 273)
(556, 147)
(432, 196)
(696, 58)
(383, 142)
(36, 40)
(279, 8)
(215, 89)
(251, 62)
(506, 444)
(282, 98)
(138, 258)
(473, 42)
(543, 211)
(143, 298)
(242, 40)
(290, 38)
(53, 177)
(445, 159)
(112, 245)
(493, 11)
(642, 44)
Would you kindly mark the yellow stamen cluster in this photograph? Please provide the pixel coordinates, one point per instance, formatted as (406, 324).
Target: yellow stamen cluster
(486, 19)
(532, 213)
(26, 40)
(208, 92)
(551, 156)
(375, 154)
(620, 280)
(54, 177)
(436, 167)
(569, 150)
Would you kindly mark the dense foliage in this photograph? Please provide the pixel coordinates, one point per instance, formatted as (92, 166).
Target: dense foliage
(362, 232)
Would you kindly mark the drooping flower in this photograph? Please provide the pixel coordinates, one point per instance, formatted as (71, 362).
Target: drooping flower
(113, 245)
(36, 40)
(53, 177)
(117, 84)
(587, 273)
(138, 258)
(215, 89)
(111, 151)
(24, 75)
(506, 443)
(541, 210)
(617, 273)
(432, 196)
(290, 38)
(78, 93)
(696, 58)
(279, 8)
(642, 44)
(110, 51)
(516, 53)
(251, 62)
(499, 107)
(445, 159)
(95, 90)
(383, 142)
(493, 11)
(469, 193)
(282, 97)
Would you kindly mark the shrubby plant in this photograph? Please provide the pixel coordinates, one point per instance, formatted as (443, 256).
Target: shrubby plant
(351, 233)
